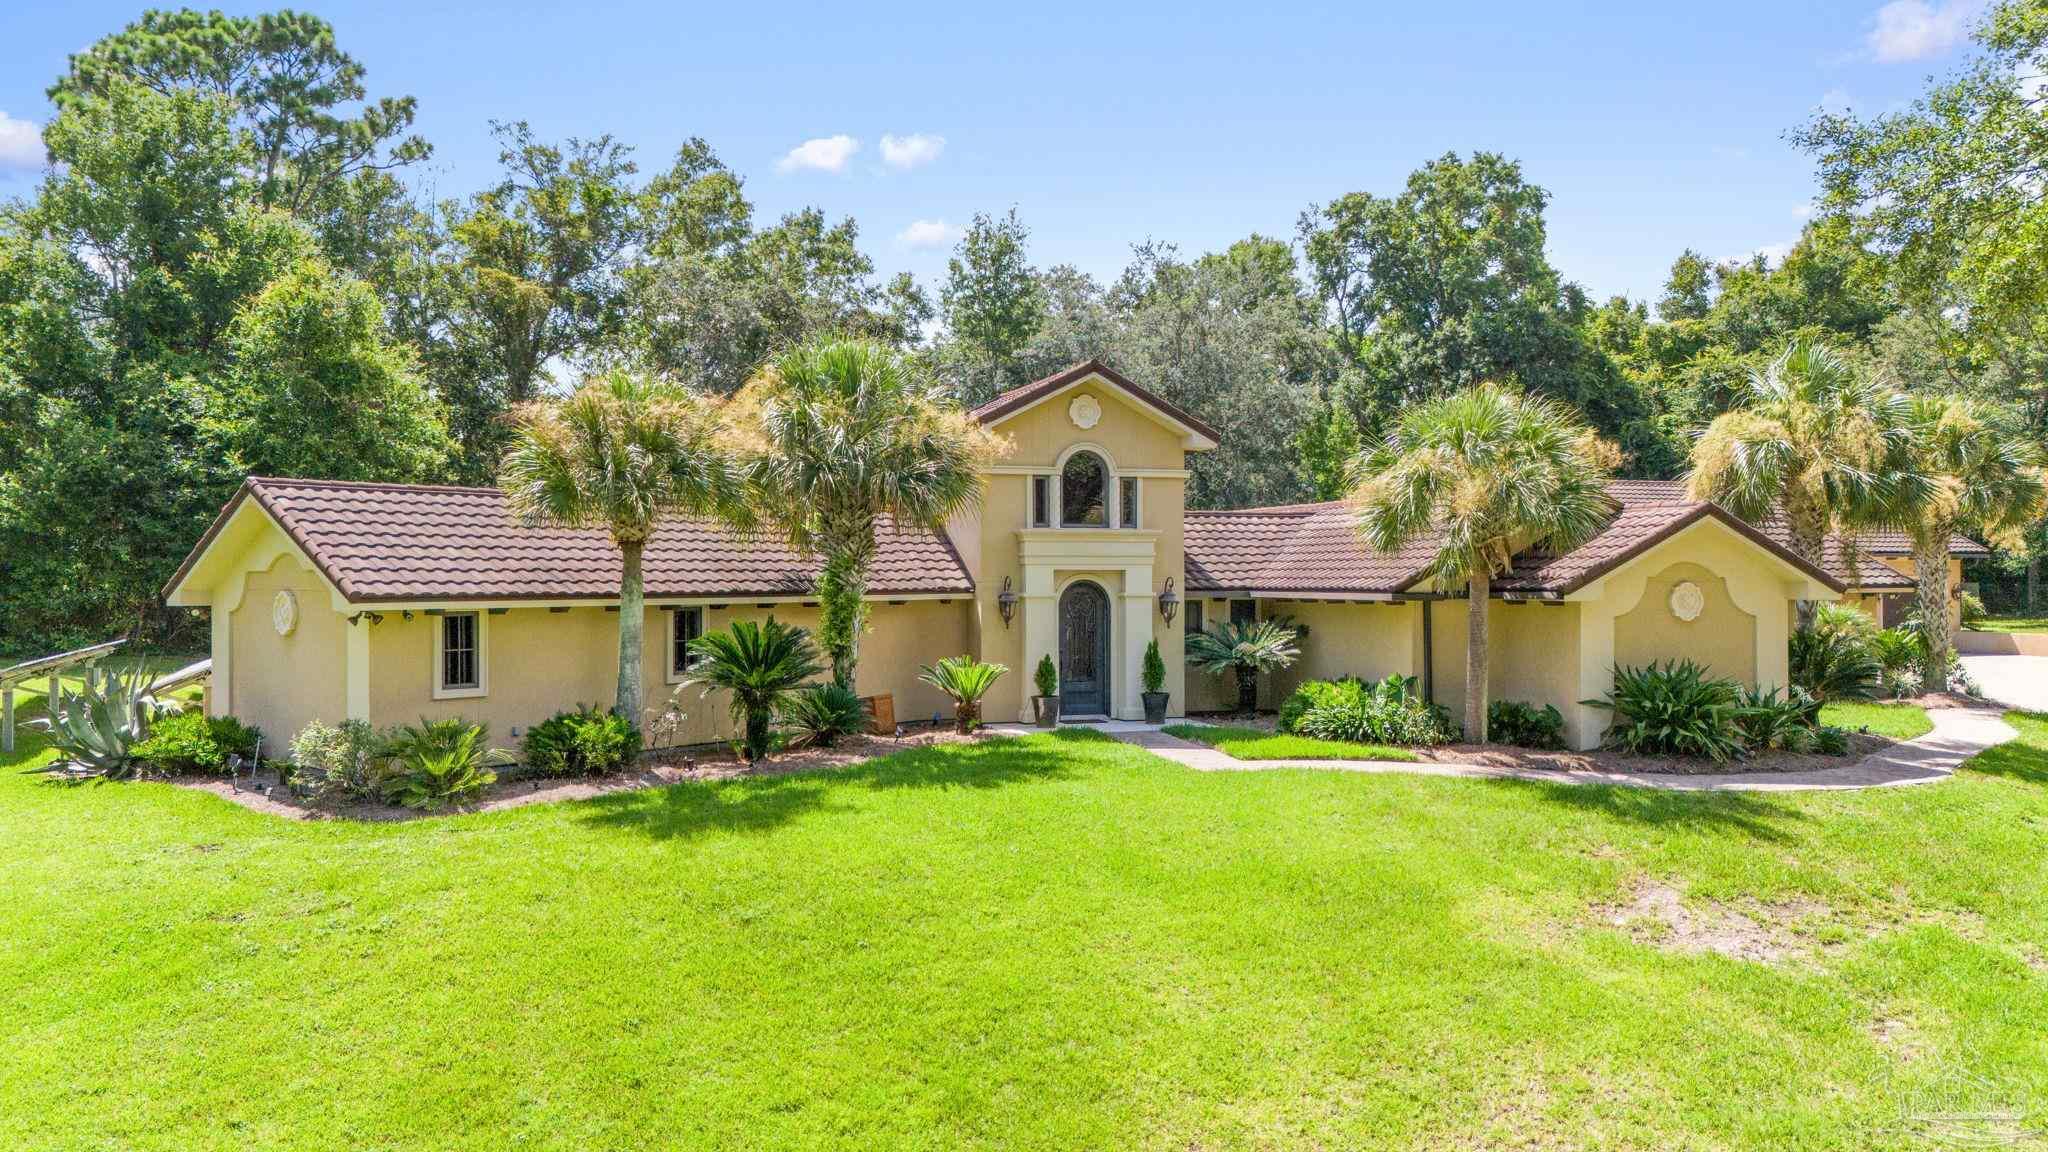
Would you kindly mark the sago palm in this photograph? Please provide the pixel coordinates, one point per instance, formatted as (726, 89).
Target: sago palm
(1483, 472)
(759, 664)
(838, 433)
(1244, 650)
(1809, 440)
(1964, 467)
(621, 454)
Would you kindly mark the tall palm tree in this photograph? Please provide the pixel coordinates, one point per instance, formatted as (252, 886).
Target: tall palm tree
(839, 432)
(1809, 439)
(1483, 472)
(1963, 468)
(620, 454)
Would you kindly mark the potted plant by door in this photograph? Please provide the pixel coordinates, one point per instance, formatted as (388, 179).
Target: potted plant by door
(1045, 707)
(1153, 674)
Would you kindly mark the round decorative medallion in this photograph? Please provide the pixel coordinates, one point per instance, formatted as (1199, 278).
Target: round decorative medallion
(284, 613)
(1084, 411)
(1687, 601)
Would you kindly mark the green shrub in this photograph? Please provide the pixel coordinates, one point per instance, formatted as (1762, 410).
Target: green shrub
(757, 663)
(1673, 708)
(1524, 725)
(1384, 713)
(1899, 652)
(1152, 673)
(1312, 694)
(333, 762)
(1777, 719)
(192, 742)
(1829, 740)
(438, 762)
(1973, 609)
(821, 713)
(587, 742)
(1834, 664)
(1047, 677)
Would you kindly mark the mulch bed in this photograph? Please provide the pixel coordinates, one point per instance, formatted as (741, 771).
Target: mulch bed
(656, 768)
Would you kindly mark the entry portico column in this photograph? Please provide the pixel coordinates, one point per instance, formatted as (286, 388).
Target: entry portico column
(1041, 629)
(1134, 632)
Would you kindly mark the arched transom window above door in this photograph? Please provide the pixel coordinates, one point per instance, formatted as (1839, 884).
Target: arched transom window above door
(1085, 491)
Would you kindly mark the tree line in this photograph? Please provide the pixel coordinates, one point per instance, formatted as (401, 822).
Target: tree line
(230, 268)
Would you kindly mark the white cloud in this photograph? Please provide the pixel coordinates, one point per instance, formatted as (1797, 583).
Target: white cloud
(21, 145)
(1773, 254)
(928, 234)
(912, 151)
(1917, 29)
(1837, 101)
(823, 154)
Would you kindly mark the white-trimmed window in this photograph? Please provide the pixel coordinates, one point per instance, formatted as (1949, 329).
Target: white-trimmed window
(459, 655)
(1127, 515)
(1041, 501)
(1084, 491)
(684, 625)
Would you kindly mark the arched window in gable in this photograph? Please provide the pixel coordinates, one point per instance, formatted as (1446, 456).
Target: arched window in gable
(1084, 487)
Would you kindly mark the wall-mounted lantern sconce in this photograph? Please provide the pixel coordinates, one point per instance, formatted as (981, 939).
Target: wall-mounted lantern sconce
(1168, 602)
(1006, 603)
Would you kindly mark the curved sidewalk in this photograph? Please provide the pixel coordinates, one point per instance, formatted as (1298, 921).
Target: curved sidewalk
(1959, 733)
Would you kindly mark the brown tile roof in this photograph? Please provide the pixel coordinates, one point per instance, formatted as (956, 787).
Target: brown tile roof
(385, 542)
(1315, 548)
(1025, 395)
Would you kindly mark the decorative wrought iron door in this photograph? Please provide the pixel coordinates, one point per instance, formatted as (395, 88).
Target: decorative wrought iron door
(1084, 651)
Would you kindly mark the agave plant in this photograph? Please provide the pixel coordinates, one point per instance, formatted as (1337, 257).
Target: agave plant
(96, 728)
(966, 680)
(1245, 649)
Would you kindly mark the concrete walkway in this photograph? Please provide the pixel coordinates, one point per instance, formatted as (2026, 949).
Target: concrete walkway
(2020, 681)
(1959, 733)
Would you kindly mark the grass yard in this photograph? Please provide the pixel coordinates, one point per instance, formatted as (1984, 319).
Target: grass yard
(1259, 744)
(1898, 721)
(2011, 624)
(1052, 942)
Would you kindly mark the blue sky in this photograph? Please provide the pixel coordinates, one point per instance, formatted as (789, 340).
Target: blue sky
(1104, 124)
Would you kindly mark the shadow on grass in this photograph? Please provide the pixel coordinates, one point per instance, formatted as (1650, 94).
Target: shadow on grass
(1746, 813)
(763, 803)
(2024, 759)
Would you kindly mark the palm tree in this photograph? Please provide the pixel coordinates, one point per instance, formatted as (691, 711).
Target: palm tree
(1962, 468)
(760, 664)
(621, 454)
(839, 432)
(1809, 440)
(1245, 650)
(1483, 472)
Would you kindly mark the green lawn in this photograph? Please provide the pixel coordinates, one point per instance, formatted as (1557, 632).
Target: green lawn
(1898, 721)
(1259, 744)
(1054, 942)
(2011, 624)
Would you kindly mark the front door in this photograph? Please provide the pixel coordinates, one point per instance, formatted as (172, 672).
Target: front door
(1084, 650)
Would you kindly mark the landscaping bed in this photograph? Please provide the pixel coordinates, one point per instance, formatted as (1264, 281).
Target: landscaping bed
(655, 768)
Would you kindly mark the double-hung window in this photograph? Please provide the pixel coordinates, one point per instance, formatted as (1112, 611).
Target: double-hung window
(685, 625)
(459, 655)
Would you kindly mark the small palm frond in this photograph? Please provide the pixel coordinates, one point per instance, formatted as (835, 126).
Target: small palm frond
(962, 678)
(1260, 645)
(758, 662)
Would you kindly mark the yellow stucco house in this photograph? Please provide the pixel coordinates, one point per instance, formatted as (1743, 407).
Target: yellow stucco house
(393, 602)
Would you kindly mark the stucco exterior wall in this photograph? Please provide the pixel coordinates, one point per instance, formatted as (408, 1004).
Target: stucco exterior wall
(1366, 639)
(538, 662)
(1722, 638)
(276, 682)
(1532, 653)
(1038, 437)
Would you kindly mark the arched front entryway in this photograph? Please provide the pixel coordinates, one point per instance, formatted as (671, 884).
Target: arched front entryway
(1084, 650)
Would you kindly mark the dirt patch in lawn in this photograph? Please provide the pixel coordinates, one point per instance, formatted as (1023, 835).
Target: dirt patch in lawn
(656, 768)
(1658, 914)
